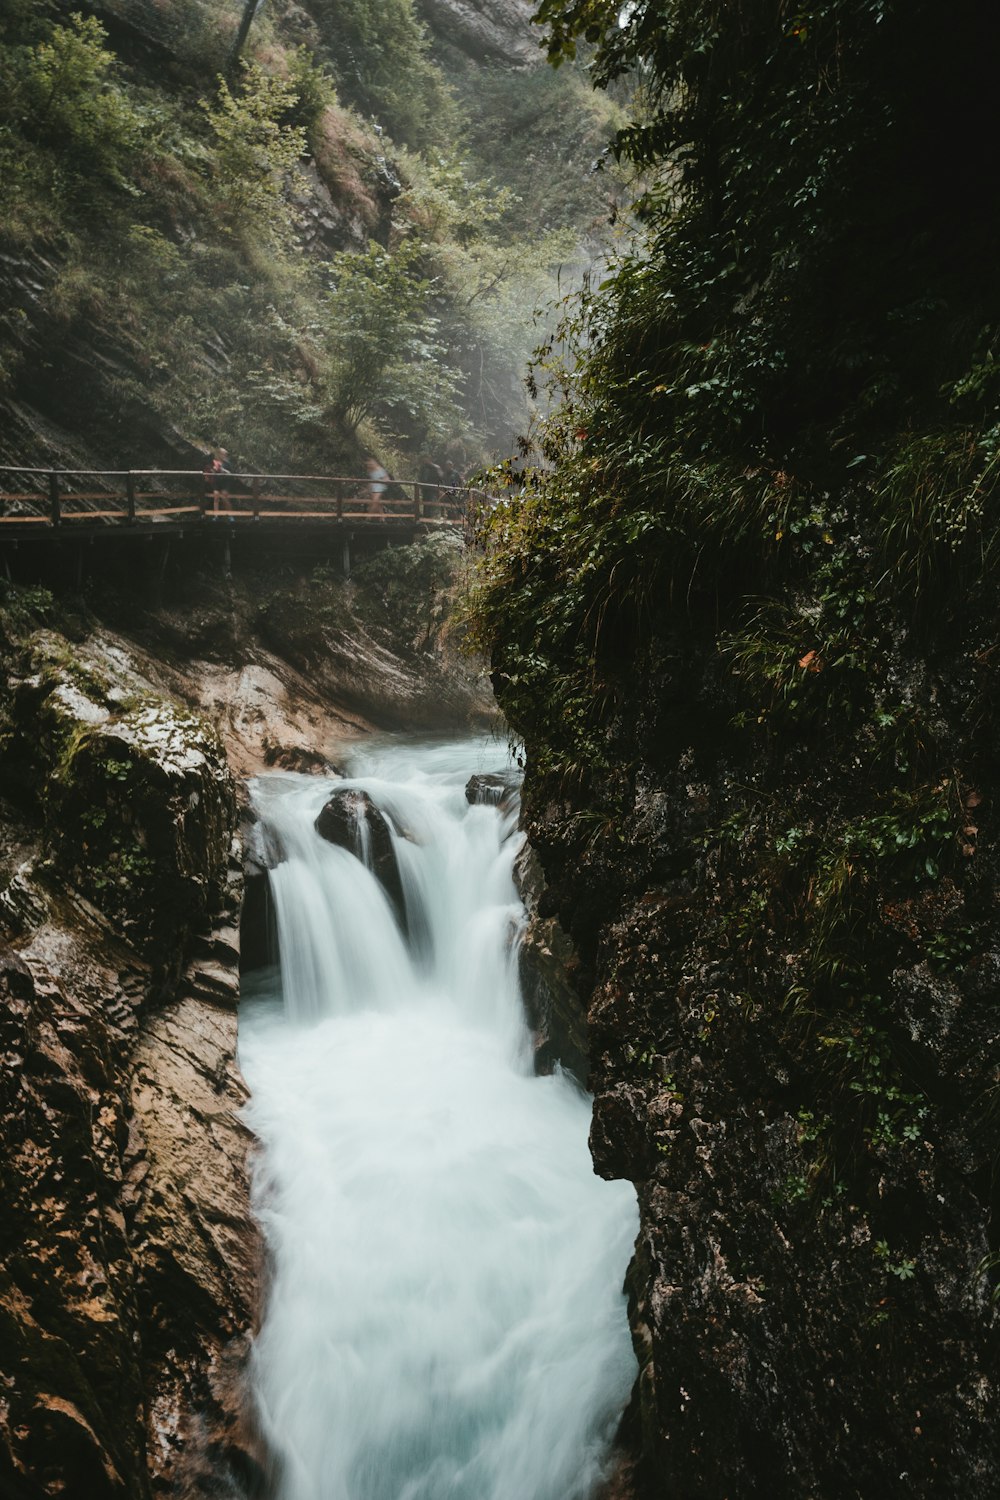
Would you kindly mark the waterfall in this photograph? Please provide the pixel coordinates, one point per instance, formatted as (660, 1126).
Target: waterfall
(445, 1317)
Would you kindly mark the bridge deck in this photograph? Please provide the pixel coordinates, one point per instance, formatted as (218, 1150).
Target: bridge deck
(50, 505)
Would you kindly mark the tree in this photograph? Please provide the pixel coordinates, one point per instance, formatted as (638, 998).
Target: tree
(383, 344)
(72, 99)
(808, 327)
(255, 149)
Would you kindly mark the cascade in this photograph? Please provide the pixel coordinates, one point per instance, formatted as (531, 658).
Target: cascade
(444, 1318)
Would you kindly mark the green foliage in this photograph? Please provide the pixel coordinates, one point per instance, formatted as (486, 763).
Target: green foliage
(312, 92)
(23, 609)
(532, 130)
(948, 952)
(788, 391)
(403, 575)
(254, 146)
(895, 1265)
(381, 56)
(765, 495)
(171, 228)
(766, 485)
(938, 488)
(408, 590)
(861, 1054)
(70, 98)
(389, 359)
(487, 282)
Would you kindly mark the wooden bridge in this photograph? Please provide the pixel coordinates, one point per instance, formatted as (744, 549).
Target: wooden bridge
(53, 506)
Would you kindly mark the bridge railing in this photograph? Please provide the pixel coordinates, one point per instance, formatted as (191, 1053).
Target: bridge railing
(56, 498)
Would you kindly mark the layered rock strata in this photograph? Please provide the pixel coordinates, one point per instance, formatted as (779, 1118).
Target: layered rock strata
(494, 31)
(129, 1255)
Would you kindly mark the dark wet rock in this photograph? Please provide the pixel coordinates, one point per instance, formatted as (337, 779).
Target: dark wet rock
(129, 1256)
(138, 801)
(141, 816)
(298, 758)
(384, 648)
(264, 849)
(494, 788)
(810, 1296)
(258, 927)
(69, 1317)
(546, 964)
(350, 818)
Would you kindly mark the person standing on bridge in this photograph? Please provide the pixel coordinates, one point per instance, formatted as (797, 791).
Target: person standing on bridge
(378, 478)
(222, 500)
(217, 465)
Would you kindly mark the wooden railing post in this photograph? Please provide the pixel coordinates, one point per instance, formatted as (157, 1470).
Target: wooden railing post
(130, 496)
(340, 517)
(416, 502)
(54, 513)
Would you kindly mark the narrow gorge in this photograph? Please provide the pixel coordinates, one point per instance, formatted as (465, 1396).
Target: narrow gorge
(499, 873)
(413, 1284)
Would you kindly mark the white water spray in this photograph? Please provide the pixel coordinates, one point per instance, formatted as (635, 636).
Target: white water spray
(445, 1319)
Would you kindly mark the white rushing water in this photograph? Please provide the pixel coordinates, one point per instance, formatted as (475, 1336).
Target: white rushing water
(445, 1319)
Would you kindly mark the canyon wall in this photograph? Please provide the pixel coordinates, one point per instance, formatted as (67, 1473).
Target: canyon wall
(130, 1260)
(131, 1263)
(811, 1296)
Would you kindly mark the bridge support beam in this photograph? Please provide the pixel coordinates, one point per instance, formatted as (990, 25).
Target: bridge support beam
(161, 572)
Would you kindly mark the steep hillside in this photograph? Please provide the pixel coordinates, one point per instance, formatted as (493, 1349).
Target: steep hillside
(315, 254)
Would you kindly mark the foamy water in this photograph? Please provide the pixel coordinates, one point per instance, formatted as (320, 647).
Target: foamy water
(445, 1319)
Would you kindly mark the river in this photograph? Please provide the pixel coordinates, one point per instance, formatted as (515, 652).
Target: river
(444, 1317)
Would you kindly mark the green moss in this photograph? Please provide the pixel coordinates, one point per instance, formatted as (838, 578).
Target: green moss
(139, 812)
(22, 609)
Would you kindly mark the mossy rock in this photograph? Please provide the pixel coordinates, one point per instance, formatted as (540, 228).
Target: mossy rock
(53, 695)
(141, 815)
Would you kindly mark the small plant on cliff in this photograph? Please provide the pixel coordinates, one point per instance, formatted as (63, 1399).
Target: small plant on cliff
(899, 1266)
(389, 359)
(71, 98)
(254, 147)
(22, 609)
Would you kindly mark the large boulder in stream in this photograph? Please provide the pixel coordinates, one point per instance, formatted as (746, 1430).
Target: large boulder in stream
(494, 788)
(350, 819)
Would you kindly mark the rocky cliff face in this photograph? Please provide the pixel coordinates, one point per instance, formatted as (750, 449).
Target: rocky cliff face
(129, 1255)
(811, 1295)
(488, 30)
(130, 1261)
